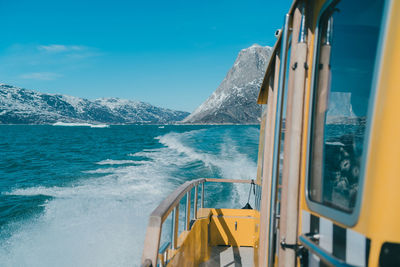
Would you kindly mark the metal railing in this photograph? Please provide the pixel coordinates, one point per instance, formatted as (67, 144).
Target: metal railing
(171, 205)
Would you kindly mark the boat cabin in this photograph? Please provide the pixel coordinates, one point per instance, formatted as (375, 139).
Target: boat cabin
(328, 177)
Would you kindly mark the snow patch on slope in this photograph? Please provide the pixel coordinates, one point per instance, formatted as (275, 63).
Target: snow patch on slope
(22, 106)
(234, 101)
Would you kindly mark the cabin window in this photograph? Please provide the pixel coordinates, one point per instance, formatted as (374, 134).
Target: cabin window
(348, 33)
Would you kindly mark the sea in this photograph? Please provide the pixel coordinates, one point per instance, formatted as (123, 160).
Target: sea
(76, 195)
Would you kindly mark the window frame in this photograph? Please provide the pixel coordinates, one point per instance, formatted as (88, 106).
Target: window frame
(348, 219)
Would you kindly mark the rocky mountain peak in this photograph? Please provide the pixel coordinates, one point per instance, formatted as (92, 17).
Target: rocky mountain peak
(23, 106)
(234, 101)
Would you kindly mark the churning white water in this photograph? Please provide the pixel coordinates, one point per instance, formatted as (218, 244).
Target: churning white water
(101, 221)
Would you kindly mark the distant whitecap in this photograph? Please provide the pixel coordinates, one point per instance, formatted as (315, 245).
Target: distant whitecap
(71, 124)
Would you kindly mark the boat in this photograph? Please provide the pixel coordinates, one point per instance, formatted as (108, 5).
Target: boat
(326, 190)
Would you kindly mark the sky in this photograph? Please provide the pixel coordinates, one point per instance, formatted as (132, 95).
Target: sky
(169, 53)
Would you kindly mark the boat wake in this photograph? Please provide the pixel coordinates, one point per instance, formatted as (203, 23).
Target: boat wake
(101, 221)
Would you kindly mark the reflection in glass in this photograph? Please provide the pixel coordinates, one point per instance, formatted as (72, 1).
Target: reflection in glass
(347, 47)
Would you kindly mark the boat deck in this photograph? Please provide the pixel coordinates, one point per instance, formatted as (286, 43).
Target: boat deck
(228, 256)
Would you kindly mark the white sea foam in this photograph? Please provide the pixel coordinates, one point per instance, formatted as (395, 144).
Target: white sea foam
(99, 126)
(101, 221)
(231, 163)
(100, 171)
(71, 124)
(118, 162)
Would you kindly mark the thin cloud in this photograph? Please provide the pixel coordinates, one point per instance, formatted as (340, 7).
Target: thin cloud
(41, 76)
(54, 48)
(46, 62)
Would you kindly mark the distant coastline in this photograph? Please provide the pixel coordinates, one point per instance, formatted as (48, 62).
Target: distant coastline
(24, 106)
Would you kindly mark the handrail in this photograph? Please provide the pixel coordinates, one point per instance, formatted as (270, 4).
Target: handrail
(228, 181)
(324, 255)
(277, 137)
(165, 207)
(160, 214)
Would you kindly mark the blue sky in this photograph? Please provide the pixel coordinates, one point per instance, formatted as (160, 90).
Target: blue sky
(170, 53)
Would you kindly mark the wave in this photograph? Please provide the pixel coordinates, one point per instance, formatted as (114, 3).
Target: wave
(101, 221)
(72, 124)
(229, 162)
(118, 162)
(98, 222)
(232, 164)
(101, 171)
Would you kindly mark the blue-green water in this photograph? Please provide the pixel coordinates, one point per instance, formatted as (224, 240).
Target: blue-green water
(81, 196)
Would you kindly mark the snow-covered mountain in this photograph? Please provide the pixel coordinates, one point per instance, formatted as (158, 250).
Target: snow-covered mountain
(235, 100)
(22, 106)
(339, 106)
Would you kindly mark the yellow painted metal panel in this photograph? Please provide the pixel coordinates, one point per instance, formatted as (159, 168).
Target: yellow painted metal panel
(215, 228)
(234, 227)
(203, 213)
(235, 212)
(379, 217)
(234, 231)
(194, 247)
(383, 171)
